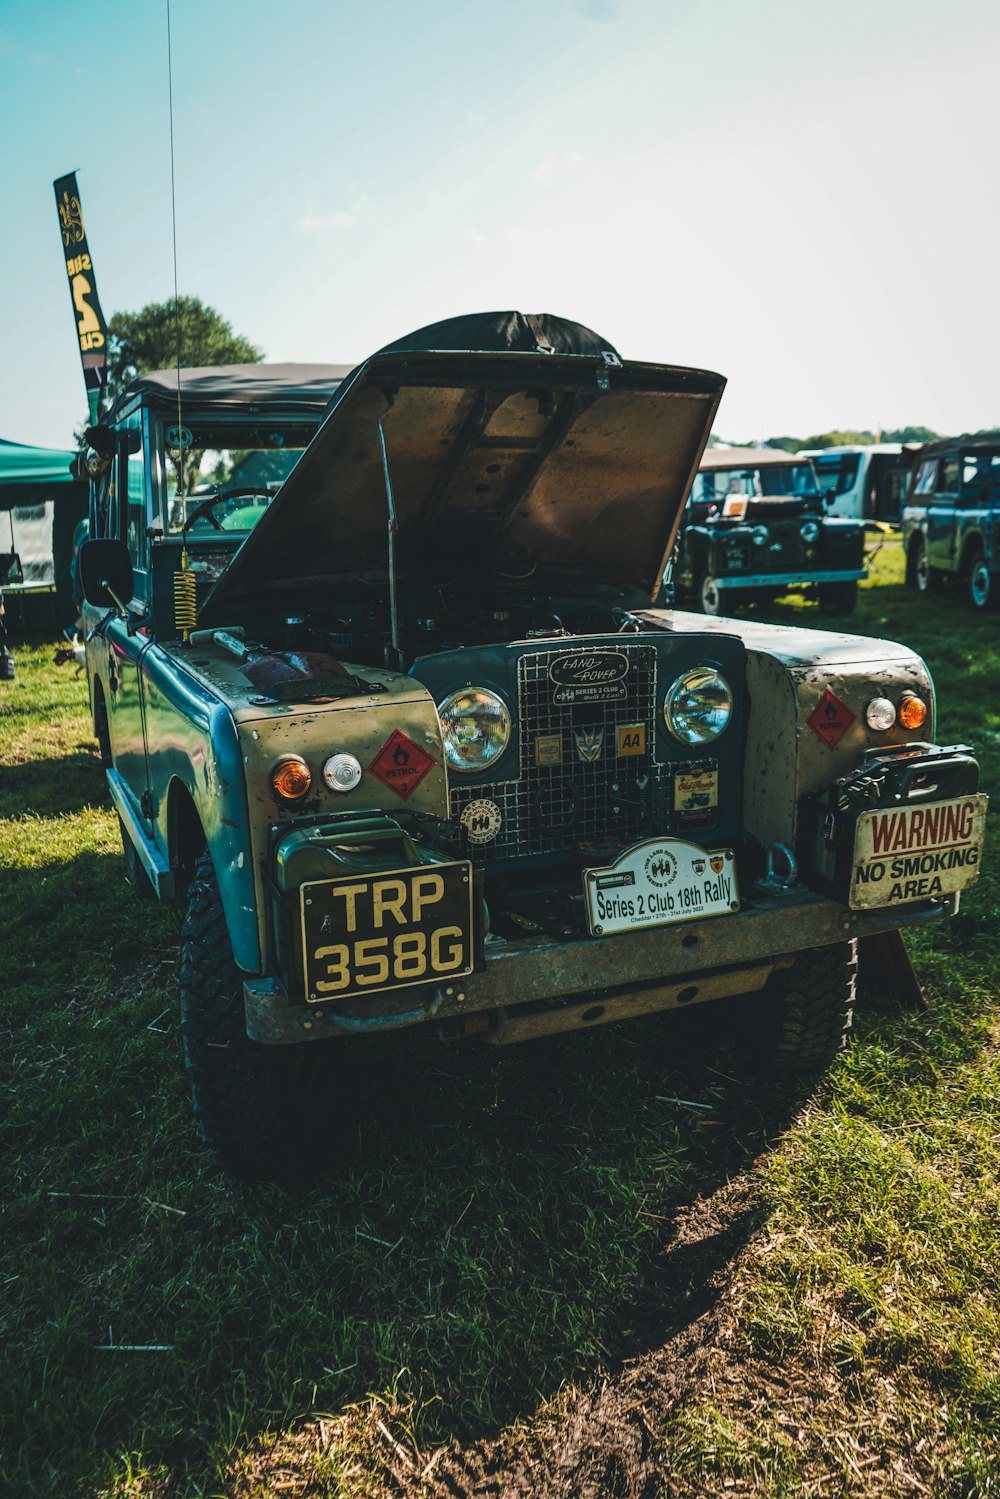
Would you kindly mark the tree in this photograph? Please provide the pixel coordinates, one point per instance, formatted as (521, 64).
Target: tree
(839, 439)
(909, 434)
(157, 338)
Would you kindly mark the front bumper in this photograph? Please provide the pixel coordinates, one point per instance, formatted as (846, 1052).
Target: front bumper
(792, 579)
(614, 977)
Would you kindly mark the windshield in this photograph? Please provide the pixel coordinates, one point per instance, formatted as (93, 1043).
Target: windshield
(772, 479)
(837, 473)
(243, 463)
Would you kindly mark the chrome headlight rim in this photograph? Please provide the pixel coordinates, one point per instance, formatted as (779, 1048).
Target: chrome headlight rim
(487, 702)
(697, 679)
(809, 531)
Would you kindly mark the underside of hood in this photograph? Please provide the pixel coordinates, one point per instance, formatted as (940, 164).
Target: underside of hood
(499, 464)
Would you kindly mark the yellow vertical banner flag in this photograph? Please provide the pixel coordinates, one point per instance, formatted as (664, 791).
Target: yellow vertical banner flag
(92, 330)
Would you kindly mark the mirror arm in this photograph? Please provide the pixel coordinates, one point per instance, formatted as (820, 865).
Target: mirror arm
(99, 629)
(117, 601)
(118, 611)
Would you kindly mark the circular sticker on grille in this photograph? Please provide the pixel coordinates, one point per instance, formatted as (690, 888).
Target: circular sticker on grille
(482, 820)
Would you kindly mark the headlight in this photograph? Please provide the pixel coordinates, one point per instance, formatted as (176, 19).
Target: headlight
(760, 535)
(698, 706)
(809, 532)
(475, 726)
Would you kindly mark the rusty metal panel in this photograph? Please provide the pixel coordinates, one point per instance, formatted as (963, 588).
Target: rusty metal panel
(769, 769)
(512, 1026)
(518, 973)
(788, 672)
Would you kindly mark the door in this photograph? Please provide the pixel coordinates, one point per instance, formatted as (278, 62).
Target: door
(941, 534)
(125, 640)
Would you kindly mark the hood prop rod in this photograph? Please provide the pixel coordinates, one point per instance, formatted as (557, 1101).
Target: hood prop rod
(394, 655)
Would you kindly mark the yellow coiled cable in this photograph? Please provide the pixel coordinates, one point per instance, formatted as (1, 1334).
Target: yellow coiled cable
(185, 598)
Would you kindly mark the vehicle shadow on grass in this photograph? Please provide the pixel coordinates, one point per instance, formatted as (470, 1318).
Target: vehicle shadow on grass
(540, 1214)
(491, 1225)
(71, 922)
(53, 787)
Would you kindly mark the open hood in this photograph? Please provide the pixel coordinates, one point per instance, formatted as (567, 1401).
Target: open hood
(502, 464)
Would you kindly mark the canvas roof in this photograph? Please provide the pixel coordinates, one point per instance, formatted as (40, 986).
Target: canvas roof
(746, 458)
(238, 385)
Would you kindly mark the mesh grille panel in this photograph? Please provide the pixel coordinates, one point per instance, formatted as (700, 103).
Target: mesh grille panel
(552, 807)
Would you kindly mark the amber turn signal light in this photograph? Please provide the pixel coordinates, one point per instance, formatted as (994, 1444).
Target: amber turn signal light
(291, 778)
(912, 711)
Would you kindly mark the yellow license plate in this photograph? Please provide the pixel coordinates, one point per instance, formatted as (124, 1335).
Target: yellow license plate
(362, 934)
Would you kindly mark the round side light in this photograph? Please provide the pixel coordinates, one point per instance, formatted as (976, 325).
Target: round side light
(912, 711)
(291, 778)
(342, 772)
(880, 714)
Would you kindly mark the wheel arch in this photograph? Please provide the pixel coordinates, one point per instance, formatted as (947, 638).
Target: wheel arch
(973, 543)
(915, 539)
(186, 838)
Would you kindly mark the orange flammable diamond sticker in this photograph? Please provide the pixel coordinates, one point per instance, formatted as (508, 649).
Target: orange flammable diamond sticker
(830, 719)
(400, 764)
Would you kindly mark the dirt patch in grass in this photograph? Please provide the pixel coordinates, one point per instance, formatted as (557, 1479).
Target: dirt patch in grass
(696, 1417)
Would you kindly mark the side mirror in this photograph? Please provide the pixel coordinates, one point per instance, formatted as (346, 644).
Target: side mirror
(101, 439)
(105, 569)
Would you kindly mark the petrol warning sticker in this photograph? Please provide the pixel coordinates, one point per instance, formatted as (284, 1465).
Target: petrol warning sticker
(400, 764)
(830, 719)
(910, 853)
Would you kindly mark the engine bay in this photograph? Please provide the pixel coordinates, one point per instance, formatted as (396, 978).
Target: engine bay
(433, 619)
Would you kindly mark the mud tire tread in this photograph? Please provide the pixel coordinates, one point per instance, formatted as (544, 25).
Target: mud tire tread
(239, 1089)
(815, 1008)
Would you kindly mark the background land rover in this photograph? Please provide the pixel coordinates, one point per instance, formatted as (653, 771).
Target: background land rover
(756, 526)
(417, 749)
(951, 520)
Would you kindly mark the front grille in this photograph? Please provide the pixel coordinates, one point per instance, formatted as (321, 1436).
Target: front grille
(790, 554)
(552, 807)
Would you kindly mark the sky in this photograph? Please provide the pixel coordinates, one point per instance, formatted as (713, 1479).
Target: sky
(800, 195)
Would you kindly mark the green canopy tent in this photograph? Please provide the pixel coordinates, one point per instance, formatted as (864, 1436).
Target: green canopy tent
(40, 506)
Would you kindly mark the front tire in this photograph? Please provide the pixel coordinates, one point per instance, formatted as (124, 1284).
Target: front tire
(248, 1098)
(838, 598)
(807, 1010)
(707, 594)
(983, 585)
(926, 579)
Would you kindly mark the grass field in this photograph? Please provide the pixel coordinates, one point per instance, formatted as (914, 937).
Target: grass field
(515, 1254)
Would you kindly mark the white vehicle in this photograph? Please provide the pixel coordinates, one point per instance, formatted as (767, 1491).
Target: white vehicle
(864, 483)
